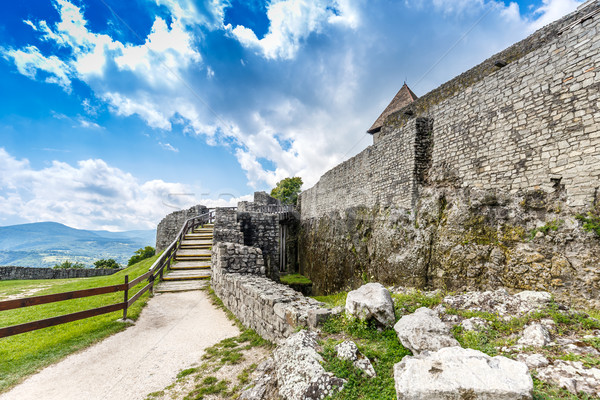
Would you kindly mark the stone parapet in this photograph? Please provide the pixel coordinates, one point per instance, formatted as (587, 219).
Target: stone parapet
(273, 310)
(9, 273)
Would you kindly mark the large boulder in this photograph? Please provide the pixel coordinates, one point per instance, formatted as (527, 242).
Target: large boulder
(300, 375)
(454, 373)
(423, 330)
(371, 301)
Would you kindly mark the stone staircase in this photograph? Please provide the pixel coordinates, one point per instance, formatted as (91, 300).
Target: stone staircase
(191, 270)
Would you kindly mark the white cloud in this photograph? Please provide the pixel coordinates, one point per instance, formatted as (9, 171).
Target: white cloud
(551, 10)
(30, 61)
(292, 21)
(304, 116)
(90, 195)
(85, 123)
(169, 147)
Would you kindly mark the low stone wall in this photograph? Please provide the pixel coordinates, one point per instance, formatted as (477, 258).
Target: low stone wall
(17, 273)
(273, 310)
(237, 258)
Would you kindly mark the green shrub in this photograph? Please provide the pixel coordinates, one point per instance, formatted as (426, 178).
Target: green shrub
(141, 254)
(107, 264)
(69, 265)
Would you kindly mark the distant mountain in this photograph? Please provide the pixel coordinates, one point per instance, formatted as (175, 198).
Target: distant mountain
(44, 244)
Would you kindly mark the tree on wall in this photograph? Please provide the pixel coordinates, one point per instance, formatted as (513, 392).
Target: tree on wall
(287, 190)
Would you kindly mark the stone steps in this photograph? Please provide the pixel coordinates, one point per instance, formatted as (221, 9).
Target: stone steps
(191, 271)
(186, 275)
(180, 286)
(187, 265)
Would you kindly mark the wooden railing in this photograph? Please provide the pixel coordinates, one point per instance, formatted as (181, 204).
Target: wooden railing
(154, 273)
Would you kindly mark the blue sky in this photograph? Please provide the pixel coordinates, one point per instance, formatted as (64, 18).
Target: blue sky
(114, 113)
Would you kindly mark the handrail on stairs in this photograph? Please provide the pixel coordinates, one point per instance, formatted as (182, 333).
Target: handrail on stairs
(168, 254)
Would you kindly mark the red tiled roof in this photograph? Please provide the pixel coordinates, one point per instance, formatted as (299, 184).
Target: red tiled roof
(404, 97)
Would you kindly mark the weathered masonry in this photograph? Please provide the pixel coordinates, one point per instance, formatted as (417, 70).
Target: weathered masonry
(459, 183)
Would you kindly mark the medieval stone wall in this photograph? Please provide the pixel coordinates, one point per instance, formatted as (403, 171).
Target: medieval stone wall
(170, 225)
(273, 310)
(455, 186)
(16, 273)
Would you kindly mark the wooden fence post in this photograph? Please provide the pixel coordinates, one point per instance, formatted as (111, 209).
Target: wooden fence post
(126, 297)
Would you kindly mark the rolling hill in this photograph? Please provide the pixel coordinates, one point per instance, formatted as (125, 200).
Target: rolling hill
(44, 244)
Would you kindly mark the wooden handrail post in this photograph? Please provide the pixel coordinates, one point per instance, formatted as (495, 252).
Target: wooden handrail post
(151, 279)
(126, 297)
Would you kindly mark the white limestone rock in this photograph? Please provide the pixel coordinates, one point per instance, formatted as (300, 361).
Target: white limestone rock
(572, 375)
(300, 375)
(500, 302)
(423, 330)
(347, 350)
(454, 373)
(264, 386)
(474, 324)
(533, 361)
(372, 300)
(535, 335)
(535, 300)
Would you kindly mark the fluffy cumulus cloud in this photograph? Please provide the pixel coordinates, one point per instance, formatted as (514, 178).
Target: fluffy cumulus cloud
(292, 21)
(91, 194)
(298, 103)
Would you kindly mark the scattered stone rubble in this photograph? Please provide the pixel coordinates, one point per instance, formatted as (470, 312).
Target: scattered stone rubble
(439, 367)
(347, 350)
(298, 374)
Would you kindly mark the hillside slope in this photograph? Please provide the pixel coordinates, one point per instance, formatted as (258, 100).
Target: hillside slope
(43, 244)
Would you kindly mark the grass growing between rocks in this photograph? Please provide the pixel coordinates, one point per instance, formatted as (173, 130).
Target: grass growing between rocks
(24, 354)
(225, 368)
(384, 350)
(381, 347)
(295, 279)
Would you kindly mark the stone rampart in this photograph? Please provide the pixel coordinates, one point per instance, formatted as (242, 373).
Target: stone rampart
(170, 225)
(273, 310)
(17, 273)
(457, 185)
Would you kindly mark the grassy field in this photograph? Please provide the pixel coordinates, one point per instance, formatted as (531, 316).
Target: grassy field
(21, 355)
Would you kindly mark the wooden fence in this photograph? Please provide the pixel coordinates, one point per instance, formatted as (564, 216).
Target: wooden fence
(154, 273)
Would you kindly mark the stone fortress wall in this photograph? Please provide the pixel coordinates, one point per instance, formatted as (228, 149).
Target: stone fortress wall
(169, 226)
(16, 273)
(240, 274)
(526, 134)
(534, 120)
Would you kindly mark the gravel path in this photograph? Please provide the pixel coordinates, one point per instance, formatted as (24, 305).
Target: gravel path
(170, 335)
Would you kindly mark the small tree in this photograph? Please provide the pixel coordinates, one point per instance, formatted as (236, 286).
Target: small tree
(68, 264)
(141, 254)
(287, 190)
(106, 264)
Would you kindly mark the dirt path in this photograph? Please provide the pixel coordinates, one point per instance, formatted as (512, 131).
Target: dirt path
(170, 335)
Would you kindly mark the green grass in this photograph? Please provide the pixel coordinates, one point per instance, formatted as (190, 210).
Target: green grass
(24, 354)
(295, 279)
(381, 347)
(333, 300)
